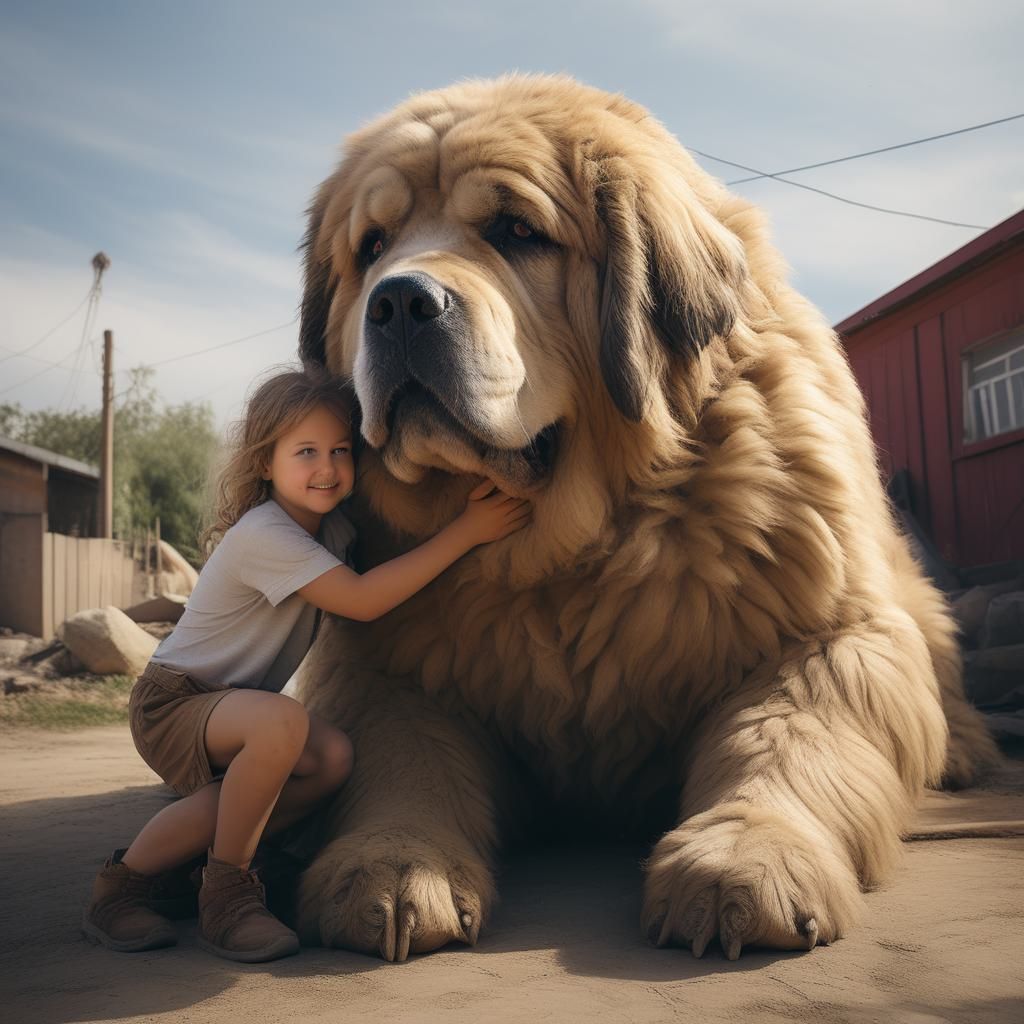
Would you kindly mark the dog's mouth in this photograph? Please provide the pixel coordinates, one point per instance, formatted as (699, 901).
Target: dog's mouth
(421, 432)
(410, 389)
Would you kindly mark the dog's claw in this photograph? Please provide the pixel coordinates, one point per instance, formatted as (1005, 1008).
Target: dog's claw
(704, 934)
(811, 928)
(387, 935)
(699, 921)
(665, 932)
(735, 923)
(471, 927)
(405, 935)
(654, 930)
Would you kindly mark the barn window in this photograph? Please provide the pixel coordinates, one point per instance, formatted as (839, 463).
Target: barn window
(994, 388)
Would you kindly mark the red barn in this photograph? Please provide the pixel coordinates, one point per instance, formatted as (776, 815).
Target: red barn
(940, 360)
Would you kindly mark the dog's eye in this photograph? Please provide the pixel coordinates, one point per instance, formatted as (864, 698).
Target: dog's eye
(508, 232)
(372, 247)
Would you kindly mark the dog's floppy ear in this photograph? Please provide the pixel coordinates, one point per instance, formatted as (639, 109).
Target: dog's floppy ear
(629, 360)
(670, 280)
(319, 289)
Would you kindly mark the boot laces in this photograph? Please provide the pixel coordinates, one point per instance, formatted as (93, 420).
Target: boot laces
(248, 890)
(136, 885)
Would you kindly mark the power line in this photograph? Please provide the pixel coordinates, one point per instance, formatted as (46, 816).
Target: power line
(755, 175)
(841, 199)
(100, 263)
(52, 330)
(223, 344)
(50, 365)
(203, 351)
(35, 359)
(72, 385)
(874, 152)
(46, 369)
(77, 350)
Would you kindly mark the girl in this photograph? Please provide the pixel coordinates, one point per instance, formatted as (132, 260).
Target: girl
(207, 714)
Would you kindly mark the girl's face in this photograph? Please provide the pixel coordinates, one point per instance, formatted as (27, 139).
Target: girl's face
(311, 468)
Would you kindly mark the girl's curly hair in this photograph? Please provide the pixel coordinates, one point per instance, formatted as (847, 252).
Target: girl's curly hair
(273, 409)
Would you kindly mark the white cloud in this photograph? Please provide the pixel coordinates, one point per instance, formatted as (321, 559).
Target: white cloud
(207, 208)
(188, 247)
(151, 323)
(267, 176)
(854, 255)
(791, 37)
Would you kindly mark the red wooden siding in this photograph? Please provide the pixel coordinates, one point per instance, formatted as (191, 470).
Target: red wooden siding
(909, 363)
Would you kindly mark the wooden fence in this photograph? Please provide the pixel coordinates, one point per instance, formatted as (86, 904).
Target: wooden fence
(47, 577)
(89, 572)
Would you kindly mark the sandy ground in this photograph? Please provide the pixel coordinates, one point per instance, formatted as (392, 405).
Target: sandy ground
(943, 942)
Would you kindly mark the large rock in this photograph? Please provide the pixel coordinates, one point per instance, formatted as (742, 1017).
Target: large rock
(165, 608)
(13, 647)
(1004, 620)
(971, 607)
(177, 577)
(991, 676)
(107, 642)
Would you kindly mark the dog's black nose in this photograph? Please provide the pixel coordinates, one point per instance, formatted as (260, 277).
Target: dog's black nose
(401, 306)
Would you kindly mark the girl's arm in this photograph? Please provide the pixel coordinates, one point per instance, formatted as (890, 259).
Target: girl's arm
(368, 596)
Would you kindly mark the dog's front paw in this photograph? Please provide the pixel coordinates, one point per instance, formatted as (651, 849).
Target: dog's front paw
(393, 892)
(748, 877)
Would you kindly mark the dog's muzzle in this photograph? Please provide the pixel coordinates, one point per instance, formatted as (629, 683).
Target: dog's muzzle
(416, 393)
(405, 306)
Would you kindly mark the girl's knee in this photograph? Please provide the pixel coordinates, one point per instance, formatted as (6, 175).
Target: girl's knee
(294, 722)
(285, 727)
(338, 758)
(272, 724)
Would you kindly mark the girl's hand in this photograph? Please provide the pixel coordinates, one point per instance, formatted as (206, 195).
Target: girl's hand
(491, 514)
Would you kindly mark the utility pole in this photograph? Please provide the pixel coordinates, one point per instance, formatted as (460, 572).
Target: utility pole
(100, 262)
(107, 450)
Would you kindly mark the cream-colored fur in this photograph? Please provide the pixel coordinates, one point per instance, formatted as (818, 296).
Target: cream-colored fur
(712, 602)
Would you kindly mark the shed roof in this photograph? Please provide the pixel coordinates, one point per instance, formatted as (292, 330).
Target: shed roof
(979, 250)
(48, 458)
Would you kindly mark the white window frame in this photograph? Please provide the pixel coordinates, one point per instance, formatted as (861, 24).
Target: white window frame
(991, 424)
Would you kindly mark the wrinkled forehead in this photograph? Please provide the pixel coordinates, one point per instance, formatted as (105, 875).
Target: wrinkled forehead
(462, 168)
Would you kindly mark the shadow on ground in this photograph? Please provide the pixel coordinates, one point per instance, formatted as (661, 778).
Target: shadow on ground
(942, 942)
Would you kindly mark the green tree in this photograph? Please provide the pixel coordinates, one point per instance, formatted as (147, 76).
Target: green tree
(10, 419)
(75, 433)
(162, 456)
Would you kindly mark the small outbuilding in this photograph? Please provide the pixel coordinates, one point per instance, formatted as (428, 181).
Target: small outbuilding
(51, 561)
(940, 360)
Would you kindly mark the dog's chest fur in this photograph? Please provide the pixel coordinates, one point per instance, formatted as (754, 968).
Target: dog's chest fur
(589, 685)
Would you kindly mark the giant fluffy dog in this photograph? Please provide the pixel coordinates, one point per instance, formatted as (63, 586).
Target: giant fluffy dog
(712, 613)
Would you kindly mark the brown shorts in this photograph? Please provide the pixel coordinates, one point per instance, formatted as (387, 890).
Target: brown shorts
(167, 711)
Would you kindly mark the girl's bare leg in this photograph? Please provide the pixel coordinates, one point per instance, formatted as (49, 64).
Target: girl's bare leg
(190, 826)
(258, 737)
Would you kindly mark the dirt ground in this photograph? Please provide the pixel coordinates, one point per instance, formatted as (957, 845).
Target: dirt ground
(943, 942)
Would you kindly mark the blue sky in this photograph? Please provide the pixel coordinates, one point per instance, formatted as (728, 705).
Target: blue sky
(185, 139)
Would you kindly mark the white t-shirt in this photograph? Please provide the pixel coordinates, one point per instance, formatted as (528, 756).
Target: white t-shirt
(244, 625)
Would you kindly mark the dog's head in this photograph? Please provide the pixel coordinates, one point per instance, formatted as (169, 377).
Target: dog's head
(498, 265)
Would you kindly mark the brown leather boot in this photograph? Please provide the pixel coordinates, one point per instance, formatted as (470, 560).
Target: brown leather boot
(233, 918)
(173, 894)
(118, 914)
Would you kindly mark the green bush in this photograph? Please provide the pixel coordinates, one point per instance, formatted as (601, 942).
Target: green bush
(162, 456)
